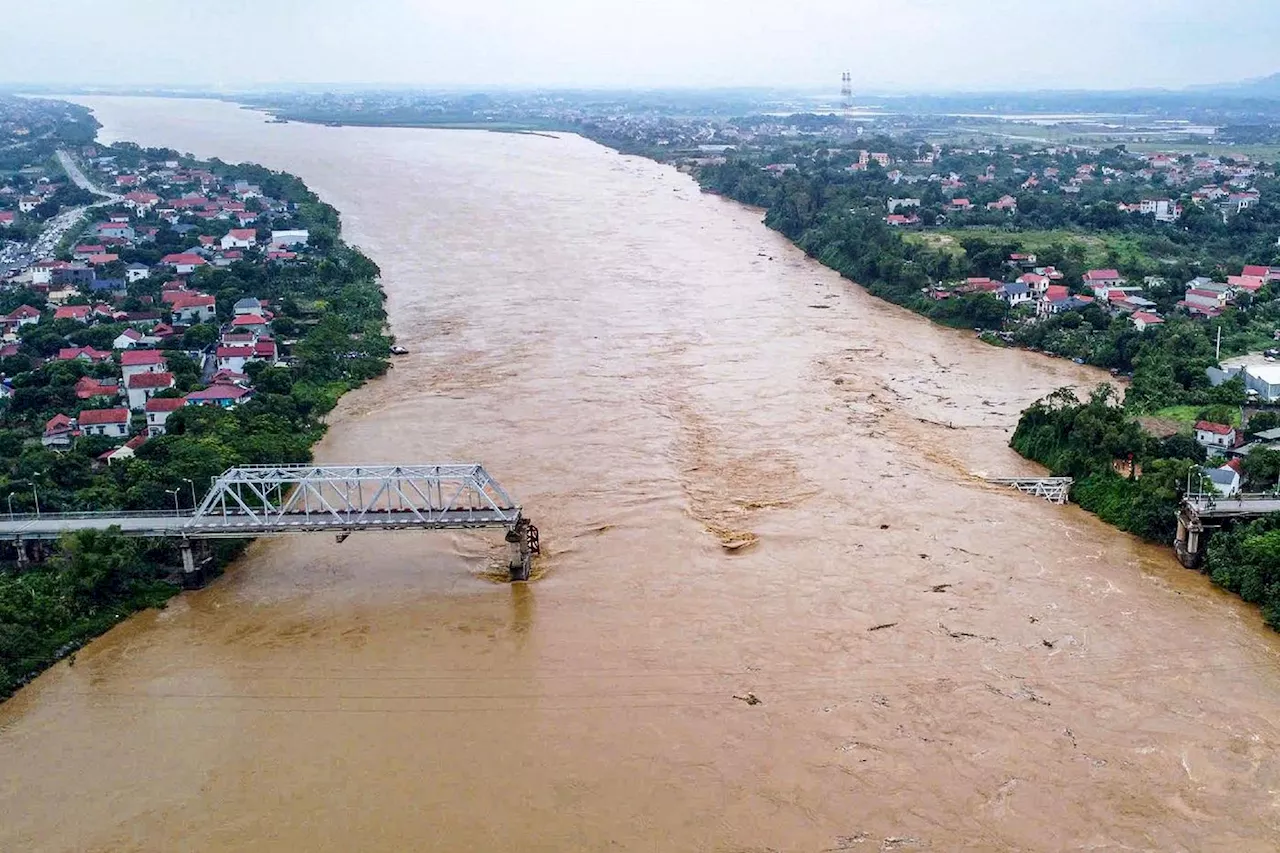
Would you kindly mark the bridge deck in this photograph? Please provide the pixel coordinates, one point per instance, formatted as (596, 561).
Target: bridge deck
(1242, 507)
(231, 526)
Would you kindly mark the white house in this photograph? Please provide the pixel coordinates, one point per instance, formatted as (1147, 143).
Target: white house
(184, 262)
(1163, 209)
(1226, 480)
(248, 305)
(58, 432)
(158, 410)
(240, 238)
(233, 358)
(125, 451)
(136, 272)
(141, 387)
(1143, 320)
(128, 339)
(23, 315)
(113, 423)
(136, 361)
(1015, 293)
(290, 238)
(193, 307)
(1215, 438)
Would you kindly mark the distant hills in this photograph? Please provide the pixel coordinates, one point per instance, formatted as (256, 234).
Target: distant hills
(1260, 87)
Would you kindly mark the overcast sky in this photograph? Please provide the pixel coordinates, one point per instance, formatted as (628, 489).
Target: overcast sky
(929, 45)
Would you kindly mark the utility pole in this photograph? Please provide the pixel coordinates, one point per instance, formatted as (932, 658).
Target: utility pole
(1217, 353)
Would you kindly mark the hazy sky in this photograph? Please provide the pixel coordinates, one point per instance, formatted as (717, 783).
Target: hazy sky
(886, 44)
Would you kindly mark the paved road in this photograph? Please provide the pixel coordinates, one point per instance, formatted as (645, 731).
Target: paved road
(73, 171)
(58, 227)
(52, 526)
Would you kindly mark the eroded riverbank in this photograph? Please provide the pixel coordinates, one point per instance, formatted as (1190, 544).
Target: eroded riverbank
(620, 351)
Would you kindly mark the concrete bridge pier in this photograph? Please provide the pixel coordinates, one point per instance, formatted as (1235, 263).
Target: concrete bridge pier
(523, 539)
(194, 575)
(1189, 540)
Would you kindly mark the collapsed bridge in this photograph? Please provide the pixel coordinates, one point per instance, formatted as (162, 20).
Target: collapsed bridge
(268, 500)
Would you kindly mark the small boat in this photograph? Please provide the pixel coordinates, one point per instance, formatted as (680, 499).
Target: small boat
(399, 350)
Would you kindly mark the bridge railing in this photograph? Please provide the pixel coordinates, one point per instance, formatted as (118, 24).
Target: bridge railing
(71, 516)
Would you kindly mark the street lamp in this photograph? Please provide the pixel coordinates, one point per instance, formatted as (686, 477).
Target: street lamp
(11, 506)
(192, 484)
(174, 492)
(34, 493)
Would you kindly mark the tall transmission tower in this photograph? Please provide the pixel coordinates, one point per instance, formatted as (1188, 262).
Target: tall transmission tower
(846, 90)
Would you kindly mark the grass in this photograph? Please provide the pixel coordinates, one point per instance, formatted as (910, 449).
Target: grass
(1098, 247)
(1189, 414)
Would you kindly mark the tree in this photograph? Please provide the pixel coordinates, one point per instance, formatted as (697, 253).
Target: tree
(1262, 469)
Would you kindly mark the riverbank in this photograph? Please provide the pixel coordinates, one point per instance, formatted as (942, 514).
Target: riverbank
(254, 347)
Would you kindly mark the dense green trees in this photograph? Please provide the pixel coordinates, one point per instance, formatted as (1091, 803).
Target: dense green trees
(1246, 560)
(96, 578)
(1085, 439)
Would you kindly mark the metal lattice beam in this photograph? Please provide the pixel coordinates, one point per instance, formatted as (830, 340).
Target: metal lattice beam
(1053, 489)
(352, 497)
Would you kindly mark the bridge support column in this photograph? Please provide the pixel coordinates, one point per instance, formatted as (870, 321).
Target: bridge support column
(20, 546)
(523, 539)
(193, 576)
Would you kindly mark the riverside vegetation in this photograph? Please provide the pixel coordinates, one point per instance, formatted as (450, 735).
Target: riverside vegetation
(328, 311)
(1126, 476)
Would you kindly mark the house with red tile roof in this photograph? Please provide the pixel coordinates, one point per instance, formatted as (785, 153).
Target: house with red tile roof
(221, 394)
(141, 387)
(113, 423)
(135, 361)
(1215, 437)
(1102, 278)
(79, 313)
(158, 410)
(1143, 320)
(124, 452)
(23, 315)
(184, 262)
(59, 431)
(89, 354)
(87, 388)
(240, 238)
(192, 307)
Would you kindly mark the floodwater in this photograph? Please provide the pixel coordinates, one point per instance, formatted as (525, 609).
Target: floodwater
(940, 665)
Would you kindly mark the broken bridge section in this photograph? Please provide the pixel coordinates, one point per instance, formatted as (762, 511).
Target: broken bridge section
(1053, 489)
(267, 500)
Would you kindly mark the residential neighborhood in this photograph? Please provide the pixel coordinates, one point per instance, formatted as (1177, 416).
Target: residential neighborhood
(131, 301)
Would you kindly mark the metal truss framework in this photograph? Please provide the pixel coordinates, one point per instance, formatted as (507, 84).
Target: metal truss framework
(353, 497)
(1053, 489)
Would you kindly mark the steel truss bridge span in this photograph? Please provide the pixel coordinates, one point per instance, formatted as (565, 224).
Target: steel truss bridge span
(266, 500)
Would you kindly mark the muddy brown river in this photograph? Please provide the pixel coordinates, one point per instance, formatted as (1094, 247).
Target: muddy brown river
(940, 665)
